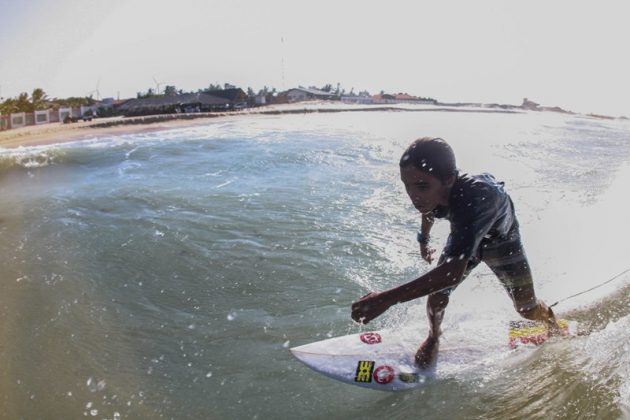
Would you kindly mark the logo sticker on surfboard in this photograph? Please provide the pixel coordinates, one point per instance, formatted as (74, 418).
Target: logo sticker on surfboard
(364, 371)
(371, 338)
(383, 374)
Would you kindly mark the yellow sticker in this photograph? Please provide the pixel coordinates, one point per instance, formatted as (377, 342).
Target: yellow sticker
(364, 371)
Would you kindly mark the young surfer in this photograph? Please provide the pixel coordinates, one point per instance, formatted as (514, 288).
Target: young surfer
(483, 229)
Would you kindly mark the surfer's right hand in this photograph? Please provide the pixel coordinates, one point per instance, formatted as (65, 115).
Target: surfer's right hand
(368, 307)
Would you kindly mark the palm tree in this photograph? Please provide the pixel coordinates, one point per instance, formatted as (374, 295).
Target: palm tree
(39, 99)
(9, 106)
(170, 90)
(23, 104)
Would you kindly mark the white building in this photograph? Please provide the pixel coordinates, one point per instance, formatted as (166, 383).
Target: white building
(18, 120)
(42, 117)
(364, 100)
(64, 112)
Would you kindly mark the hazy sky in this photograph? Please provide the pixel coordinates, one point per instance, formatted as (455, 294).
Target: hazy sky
(572, 54)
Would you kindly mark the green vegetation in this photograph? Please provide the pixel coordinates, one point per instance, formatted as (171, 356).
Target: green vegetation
(39, 100)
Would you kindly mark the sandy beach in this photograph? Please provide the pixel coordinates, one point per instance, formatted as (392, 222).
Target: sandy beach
(61, 133)
(54, 133)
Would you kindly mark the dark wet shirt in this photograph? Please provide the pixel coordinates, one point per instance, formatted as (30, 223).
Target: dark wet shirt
(479, 210)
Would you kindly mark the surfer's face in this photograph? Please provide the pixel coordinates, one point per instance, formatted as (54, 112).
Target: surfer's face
(425, 191)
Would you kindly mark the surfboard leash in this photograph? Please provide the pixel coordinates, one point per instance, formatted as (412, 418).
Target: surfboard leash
(592, 288)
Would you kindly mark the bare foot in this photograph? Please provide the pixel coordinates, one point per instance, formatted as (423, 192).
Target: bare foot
(553, 329)
(426, 356)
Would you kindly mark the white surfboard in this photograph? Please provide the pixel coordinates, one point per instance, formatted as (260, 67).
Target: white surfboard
(382, 360)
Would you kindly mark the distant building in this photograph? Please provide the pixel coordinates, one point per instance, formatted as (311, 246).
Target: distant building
(357, 99)
(106, 103)
(17, 120)
(383, 98)
(187, 102)
(260, 100)
(303, 94)
(401, 98)
(65, 113)
(42, 117)
(405, 98)
(237, 97)
(531, 105)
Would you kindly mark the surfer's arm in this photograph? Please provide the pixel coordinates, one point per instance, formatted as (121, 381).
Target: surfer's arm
(442, 277)
(425, 229)
(427, 224)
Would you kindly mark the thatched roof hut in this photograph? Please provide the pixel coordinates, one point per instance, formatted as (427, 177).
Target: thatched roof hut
(186, 102)
(236, 96)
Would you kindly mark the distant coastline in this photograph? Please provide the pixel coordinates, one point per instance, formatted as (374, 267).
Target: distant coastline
(61, 133)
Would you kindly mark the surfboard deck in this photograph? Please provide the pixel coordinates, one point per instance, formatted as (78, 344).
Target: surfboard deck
(382, 360)
(525, 332)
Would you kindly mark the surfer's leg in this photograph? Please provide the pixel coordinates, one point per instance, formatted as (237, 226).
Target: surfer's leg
(436, 305)
(426, 355)
(508, 261)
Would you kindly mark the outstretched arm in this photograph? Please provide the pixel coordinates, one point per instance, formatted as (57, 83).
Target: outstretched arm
(442, 277)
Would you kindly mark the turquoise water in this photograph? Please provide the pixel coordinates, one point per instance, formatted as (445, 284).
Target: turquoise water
(166, 274)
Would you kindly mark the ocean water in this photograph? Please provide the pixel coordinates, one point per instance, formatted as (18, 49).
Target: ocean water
(167, 274)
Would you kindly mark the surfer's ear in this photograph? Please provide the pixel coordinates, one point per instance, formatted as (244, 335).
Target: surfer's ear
(449, 181)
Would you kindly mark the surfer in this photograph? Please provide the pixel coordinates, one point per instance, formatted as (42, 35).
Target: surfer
(483, 229)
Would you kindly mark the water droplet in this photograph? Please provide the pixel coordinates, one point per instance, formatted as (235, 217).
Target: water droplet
(231, 316)
(286, 344)
(209, 375)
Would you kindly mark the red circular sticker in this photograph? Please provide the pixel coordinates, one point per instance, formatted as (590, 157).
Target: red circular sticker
(383, 374)
(370, 338)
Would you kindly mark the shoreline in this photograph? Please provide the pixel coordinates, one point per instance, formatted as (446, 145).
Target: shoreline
(58, 133)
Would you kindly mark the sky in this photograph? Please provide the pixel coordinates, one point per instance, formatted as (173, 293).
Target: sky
(572, 54)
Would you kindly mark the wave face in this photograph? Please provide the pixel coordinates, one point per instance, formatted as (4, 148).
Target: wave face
(166, 274)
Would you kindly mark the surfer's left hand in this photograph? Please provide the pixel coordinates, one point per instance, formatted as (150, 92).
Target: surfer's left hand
(368, 307)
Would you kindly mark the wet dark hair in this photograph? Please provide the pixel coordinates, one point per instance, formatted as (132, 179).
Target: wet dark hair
(431, 155)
